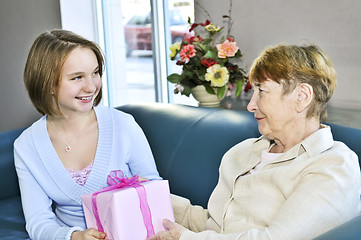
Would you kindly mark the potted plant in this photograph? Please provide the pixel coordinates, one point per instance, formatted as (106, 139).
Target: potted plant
(209, 60)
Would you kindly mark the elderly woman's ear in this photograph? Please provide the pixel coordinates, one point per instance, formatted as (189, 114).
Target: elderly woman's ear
(304, 96)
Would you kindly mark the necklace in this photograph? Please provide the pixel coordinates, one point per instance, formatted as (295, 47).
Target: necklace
(67, 146)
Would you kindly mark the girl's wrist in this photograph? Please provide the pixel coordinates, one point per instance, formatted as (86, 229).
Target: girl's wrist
(74, 231)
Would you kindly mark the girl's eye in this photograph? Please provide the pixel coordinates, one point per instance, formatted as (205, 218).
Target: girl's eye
(76, 78)
(96, 73)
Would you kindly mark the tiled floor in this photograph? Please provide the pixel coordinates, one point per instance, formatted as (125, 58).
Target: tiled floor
(346, 117)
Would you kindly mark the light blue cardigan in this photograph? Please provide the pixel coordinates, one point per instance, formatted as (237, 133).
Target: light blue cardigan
(44, 180)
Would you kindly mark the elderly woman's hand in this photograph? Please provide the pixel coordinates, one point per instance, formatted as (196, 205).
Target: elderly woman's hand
(174, 231)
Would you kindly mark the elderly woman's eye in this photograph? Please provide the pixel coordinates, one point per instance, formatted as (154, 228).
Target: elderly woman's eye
(260, 90)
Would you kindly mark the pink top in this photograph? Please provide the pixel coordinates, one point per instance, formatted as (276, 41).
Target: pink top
(80, 176)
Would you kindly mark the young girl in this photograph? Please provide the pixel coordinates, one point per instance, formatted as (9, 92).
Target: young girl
(73, 147)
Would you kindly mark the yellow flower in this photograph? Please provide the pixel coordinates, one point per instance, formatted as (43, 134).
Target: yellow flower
(217, 75)
(212, 28)
(174, 48)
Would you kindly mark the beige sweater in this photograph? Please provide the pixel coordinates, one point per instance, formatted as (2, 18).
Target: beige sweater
(308, 190)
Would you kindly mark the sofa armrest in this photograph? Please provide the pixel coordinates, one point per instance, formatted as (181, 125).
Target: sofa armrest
(350, 230)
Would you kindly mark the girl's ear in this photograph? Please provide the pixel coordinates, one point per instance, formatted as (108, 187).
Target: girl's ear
(304, 97)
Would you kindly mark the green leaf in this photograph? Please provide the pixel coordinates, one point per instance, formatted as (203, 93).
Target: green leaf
(203, 47)
(206, 41)
(221, 61)
(238, 54)
(211, 54)
(174, 78)
(219, 30)
(187, 91)
(188, 74)
(209, 89)
(221, 91)
(239, 85)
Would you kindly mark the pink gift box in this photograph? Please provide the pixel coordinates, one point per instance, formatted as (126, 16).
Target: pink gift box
(120, 214)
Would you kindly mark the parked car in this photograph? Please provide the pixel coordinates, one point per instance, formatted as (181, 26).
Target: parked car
(138, 30)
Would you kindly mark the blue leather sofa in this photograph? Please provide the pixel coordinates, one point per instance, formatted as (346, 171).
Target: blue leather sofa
(188, 144)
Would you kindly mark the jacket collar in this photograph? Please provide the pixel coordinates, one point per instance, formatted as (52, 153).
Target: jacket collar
(313, 145)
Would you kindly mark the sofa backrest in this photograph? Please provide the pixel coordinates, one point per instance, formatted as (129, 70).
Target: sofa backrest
(9, 181)
(350, 136)
(188, 142)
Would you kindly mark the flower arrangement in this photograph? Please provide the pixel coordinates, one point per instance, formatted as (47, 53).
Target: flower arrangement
(208, 59)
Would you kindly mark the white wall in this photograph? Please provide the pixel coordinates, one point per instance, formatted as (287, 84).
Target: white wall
(332, 24)
(80, 17)
(20, 22)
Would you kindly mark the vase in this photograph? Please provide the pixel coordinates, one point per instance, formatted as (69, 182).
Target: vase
(204, 98)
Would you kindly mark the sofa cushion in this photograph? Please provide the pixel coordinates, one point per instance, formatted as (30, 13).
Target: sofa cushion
(12, 222)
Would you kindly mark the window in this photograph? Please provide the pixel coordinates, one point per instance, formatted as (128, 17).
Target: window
(139, 74)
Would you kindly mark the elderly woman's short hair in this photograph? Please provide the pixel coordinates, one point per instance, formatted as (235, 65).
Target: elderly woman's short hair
(291, 65)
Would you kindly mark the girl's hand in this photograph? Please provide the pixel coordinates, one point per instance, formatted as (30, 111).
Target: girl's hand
(88, 234)
(174, 231)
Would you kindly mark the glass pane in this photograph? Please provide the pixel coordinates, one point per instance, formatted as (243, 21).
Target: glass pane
(179, 11)
(128, 44)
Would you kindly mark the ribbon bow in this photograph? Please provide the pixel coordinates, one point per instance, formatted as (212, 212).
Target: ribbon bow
(116, 180)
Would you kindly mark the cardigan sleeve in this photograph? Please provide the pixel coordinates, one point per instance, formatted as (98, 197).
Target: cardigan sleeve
(187, 215)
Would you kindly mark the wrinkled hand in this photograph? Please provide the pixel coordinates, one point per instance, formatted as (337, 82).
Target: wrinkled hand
(88, 234)
(174, 231)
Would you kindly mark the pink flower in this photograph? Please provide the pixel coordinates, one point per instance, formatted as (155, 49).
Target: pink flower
(187, 52)
(226, 49)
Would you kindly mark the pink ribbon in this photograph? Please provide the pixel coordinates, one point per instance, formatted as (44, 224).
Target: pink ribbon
(116, 179)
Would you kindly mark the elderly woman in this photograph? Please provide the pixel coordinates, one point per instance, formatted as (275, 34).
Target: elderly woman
(295, 181)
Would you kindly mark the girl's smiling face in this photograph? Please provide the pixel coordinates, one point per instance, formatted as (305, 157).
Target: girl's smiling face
(80, 81)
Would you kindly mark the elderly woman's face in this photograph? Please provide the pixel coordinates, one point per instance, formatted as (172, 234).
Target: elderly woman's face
(275, 114)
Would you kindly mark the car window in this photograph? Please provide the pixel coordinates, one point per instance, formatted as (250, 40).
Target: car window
(176, 18)
(140, 19)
